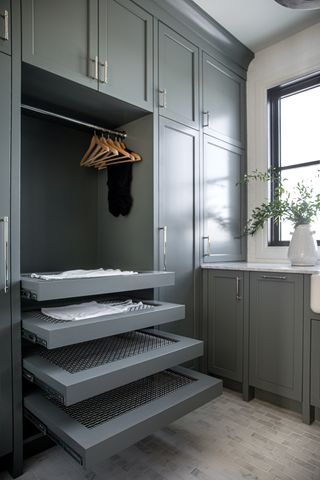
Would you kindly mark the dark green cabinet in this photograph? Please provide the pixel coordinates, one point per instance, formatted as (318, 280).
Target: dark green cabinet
(224, 294)
(61, 37)
(223, 102)
(5, 309)
(315, 364)
(223, 201)
(102, 44)
(276, 333)
(178, 160)
(125, 51)
(178, 78)
(5, 26)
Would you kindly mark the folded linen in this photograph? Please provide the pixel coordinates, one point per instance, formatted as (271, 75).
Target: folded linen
(88, 310)
(99, 272)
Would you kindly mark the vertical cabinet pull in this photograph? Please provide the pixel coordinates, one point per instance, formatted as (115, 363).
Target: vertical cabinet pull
(165, 231)
(238, 296)
(5, 17)
(208, 252)
(5, 228)
(163, 98)
(104, 66)
(95, 62)
(206, 119)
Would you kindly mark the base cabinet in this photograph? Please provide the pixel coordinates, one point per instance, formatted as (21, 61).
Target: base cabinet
(315, 364)
(225, 323)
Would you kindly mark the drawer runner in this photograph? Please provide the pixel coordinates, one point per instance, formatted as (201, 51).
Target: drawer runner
(52, 333)
(101, 426)
(80, 371)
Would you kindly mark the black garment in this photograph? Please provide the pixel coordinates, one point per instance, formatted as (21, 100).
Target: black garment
(119, 184)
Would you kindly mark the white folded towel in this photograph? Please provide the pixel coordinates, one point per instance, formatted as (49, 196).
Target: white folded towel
(99, 272)
(88, 310)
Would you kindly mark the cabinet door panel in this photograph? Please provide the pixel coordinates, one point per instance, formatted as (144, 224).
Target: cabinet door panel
(223, 201)
(315, 363)
(223, 102)
(178, 77)
(178, 157)
(61, 37)
(126, 44)
(225, 323)
(276, 327)
(5, 26)
(5, 313)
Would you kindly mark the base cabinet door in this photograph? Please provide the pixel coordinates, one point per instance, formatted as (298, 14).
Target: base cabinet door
(177, 163)
(276, 333)
(5, 26)
(223, 201)
(125, 51)
(224, 303)
(315, 363)
(61, 37)
(5, 312)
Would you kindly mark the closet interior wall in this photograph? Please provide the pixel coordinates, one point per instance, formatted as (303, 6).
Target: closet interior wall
(66, 222)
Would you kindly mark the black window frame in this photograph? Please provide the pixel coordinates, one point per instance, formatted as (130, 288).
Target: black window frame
(274, 96)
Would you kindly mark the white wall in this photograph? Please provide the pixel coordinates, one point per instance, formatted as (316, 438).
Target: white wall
(289, 59)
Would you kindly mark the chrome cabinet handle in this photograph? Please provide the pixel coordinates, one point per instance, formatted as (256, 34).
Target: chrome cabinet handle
(165, 231)
(104, 66)
(95, 62)
(5, 16)
(206, 119)
(273, 277)
(238, 296)
(5, 222)
(163, 98)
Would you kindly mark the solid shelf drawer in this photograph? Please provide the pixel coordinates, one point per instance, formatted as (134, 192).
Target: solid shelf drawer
(43, 290)
(53, 333)
(74, 373)
(106, 424)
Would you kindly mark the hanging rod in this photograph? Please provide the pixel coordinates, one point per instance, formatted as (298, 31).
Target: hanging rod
(73, 120)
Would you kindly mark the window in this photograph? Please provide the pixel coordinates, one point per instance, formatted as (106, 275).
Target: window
(294, 112)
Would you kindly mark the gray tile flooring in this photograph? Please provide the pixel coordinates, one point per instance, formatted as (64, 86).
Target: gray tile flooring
(226, 439)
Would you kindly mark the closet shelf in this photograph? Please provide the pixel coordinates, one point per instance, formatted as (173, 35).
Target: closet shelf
(51, 333)
(42, 290)
(103, 425)
(75, 373)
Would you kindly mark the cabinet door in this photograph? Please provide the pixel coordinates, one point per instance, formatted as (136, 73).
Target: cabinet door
(223, 102)
(276, 327)
(178, 78)
(5, 26)
(5, 312)
(223, 201)
(224, 294)
(62, 38)
(315, 363)
(125, 51)
(179, 147)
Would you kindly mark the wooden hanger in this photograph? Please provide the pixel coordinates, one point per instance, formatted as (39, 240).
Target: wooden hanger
(93, 143)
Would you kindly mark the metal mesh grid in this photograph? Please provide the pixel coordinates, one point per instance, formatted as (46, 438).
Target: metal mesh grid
(133, 308)
(83, 356)
(109, 405)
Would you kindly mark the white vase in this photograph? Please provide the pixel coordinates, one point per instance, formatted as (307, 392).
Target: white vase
(303, 250)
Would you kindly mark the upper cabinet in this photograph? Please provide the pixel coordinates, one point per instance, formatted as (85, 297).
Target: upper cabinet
(125, 51)
(61, 37)
(223, 102)
(5, 26)
(178, 78)
(102, 44)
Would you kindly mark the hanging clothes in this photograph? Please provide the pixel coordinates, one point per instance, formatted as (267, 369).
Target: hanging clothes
(119, 189)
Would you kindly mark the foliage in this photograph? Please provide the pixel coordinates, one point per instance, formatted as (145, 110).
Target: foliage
(299, 206)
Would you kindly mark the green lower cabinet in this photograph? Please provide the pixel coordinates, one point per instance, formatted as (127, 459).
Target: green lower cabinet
(276, 333)
(315, 363)
(225, 315)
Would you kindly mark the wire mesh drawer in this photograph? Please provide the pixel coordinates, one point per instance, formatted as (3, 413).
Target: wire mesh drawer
(103, 425)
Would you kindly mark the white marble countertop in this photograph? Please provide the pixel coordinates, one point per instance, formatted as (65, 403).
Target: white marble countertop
(261, 267)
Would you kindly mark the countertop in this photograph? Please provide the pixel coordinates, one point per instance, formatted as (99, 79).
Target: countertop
(261, 267)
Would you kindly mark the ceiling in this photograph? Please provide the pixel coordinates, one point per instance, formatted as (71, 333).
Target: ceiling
(258, 23)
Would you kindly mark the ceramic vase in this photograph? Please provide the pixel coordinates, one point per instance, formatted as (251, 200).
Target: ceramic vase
(303, 249)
